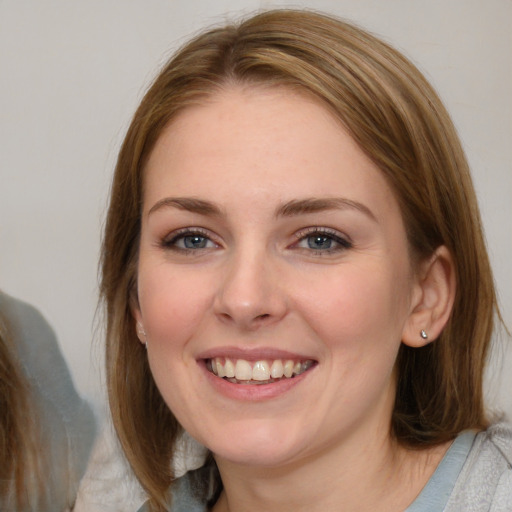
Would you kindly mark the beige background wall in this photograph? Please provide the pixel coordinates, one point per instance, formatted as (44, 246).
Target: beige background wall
(71, 74)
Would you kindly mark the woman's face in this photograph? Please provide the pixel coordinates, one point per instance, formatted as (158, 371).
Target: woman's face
(272, 251)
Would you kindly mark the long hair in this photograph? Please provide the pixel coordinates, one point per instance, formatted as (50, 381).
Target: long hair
(397, 119)
(21, 463)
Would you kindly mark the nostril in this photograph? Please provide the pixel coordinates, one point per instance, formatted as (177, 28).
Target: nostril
(262, 317)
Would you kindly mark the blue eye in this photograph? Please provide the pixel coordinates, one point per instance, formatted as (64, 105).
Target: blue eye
(322, 240)
(188, 240)
(194, 242)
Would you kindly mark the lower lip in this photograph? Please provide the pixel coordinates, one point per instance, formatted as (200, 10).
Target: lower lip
(254, 392)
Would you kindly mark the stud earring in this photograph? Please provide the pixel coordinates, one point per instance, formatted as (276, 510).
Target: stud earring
(423, 334)
(141, 333)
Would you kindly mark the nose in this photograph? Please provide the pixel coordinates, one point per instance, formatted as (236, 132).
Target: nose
(250, 295)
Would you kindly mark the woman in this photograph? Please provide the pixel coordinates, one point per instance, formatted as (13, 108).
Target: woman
(46, 429)
(294, 239)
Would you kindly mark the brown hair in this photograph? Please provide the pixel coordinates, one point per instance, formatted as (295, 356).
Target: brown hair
(21, 482)
(397, 119)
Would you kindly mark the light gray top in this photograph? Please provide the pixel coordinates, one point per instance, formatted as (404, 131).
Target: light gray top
(475, 475)
(440, 486)
(485, 480)
(66, 420)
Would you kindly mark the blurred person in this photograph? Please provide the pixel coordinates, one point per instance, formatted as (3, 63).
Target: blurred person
(46, 428)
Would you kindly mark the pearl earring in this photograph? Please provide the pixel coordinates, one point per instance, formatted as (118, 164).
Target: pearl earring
(423, 334)
(141, 333)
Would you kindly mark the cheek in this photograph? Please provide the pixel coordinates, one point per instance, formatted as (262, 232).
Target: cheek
(172, 303)
(359, 321)
(359, 307)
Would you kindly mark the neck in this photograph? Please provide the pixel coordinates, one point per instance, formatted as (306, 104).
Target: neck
(370, 473)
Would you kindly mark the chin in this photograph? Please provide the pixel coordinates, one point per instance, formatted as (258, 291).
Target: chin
(258, 445)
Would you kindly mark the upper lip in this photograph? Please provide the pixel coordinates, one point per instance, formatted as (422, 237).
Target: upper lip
(252, 354)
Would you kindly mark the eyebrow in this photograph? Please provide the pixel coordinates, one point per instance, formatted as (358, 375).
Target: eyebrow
(314, 205)
(292, 208)
(190, 204)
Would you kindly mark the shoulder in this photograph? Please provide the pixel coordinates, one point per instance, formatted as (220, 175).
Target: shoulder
(499, 437)
(36, 345)
(485, 481)
(34, 340)
(22, 318)
(37, 348)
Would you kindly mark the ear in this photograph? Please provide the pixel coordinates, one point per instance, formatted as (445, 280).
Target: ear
(432, 299)
(139, 324)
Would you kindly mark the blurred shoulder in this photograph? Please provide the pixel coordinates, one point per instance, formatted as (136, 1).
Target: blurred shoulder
(21, 318)
(35, 343)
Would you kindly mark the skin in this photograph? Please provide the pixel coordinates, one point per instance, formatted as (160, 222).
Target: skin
(329, 282)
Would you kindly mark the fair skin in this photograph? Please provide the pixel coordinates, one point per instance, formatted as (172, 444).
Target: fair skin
(268, 236)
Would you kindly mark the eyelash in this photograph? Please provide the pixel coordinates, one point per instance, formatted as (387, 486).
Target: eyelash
(330, 235)
(342, 242)
(171, 241)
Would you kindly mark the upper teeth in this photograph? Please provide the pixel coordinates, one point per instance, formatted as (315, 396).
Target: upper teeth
(263, 370)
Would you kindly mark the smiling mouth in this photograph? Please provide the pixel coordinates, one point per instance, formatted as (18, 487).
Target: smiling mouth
(241, 371)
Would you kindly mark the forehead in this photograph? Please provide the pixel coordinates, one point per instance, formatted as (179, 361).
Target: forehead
(260, 141)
